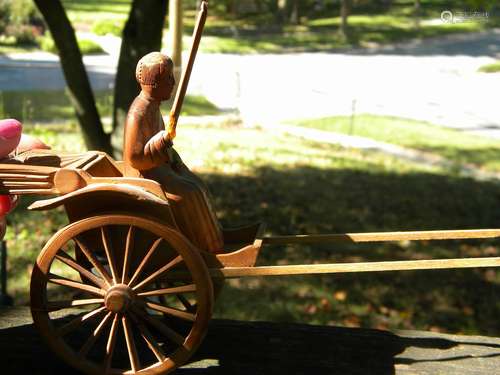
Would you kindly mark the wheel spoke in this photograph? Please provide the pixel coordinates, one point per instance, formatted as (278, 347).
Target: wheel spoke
(98, 266)
(158, 273)
(139, 269)
(173, 290)
(110, 346)
(75, 323)
(129, 245)
(68, 260)
(161, 327)
(55, 279)
(95, 335)
(59, 305)
(131, 348)
(153, 345)
(108, 248)
(171, 311)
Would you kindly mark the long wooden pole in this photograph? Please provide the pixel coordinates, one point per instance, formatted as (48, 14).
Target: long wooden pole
(181, 91)
(383, 236)
(308, 269)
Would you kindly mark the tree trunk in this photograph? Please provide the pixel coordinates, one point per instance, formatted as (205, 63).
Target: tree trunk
(142, 34)
(345, 9)
(74, 72)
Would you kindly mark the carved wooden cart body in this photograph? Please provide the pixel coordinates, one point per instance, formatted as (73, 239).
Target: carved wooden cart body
(134, 281)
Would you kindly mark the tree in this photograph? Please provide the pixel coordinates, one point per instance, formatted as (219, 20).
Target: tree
(142, 34)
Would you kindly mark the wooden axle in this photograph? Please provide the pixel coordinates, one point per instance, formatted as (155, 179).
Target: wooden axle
(383, 236)
(406, 265)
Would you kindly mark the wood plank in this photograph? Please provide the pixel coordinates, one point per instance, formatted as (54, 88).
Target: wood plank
(383, 236)
(309, 269)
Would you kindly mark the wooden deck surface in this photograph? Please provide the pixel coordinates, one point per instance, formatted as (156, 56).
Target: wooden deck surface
(234, 347)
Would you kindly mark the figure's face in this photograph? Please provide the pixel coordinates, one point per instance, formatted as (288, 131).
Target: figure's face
(166, 85)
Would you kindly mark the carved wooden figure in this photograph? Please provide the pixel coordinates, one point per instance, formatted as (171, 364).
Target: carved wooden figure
(140, 263)
(148, 151)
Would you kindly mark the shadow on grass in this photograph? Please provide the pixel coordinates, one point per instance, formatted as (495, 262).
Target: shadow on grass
(482, 157)
(307, 200)
(313, 200)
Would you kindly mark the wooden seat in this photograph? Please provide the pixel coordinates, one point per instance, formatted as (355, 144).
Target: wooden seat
(96, 163)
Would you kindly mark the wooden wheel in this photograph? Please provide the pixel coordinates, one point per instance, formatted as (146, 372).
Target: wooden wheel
(103, 270)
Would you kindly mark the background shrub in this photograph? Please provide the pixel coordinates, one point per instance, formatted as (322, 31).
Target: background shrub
(21, 20)
(87, 46)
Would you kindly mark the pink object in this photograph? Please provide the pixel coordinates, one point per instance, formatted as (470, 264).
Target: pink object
(10, 135)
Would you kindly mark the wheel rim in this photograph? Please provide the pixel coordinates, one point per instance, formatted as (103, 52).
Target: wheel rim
(105, 269)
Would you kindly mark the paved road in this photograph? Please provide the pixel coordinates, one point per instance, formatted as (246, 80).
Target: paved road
(435, 80)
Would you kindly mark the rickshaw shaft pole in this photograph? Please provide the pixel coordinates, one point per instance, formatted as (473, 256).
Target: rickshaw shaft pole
(303, 269)
(383, 236)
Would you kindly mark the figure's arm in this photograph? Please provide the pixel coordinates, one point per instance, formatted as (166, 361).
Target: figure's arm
(141, 153)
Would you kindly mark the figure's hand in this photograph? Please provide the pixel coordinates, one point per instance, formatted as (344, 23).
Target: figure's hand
(166, 138)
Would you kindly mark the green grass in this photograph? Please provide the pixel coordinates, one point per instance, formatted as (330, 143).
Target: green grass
(84, 13)
(55, 106)
(197, 105)
(9, 44)
(322, 34)
(452, 144)
(46, 106)
(87, 46)
(303, 187)
(259, 33)
(103, 27)
(490, 68)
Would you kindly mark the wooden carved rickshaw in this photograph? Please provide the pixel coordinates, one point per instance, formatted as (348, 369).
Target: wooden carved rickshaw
(130, 268)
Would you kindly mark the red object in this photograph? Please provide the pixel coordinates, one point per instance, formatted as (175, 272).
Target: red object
(6, 204)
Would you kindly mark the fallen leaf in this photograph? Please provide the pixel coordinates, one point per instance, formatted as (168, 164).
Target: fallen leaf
(340, 295)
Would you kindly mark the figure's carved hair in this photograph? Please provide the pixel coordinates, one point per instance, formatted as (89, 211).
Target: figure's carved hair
(151, 67)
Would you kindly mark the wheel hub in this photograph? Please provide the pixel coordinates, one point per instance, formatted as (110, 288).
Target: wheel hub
(119, 298)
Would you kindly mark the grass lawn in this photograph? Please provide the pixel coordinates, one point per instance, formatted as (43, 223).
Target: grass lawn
(89, 11)
(490, 68)
(449, 143)
(260, 33)
(322, 35)
(298, 186)
(54, 106)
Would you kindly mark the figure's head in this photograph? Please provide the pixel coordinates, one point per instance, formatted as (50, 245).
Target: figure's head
(155, 74)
